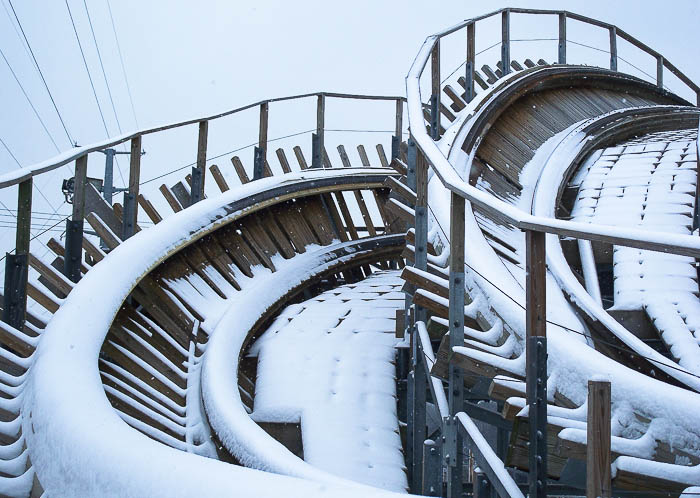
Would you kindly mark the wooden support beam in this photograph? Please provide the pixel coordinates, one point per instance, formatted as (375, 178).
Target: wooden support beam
(300, 158)
(218, 178)
(284, 164)
(613, 48)
(505, 41)
(74, 226)
(197, 191)
(471, 63)
(364, 159)
(382, 156)
(240, 170)
(598, 459)
(16, 269)
(435, 90)
(562, 38)
(319, 144)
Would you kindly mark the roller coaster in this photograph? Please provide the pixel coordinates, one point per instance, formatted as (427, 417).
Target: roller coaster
(505, 304)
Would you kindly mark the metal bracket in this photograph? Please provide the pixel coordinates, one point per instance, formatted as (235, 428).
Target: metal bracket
(15, 301)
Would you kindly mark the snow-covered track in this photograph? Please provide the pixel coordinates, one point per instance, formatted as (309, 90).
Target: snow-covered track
(141, 365)
(547, 121)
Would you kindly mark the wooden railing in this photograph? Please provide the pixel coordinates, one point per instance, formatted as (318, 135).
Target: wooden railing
(17, 264)
(421, 143)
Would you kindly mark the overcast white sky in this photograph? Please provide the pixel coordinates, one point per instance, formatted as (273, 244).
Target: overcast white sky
(189, 58)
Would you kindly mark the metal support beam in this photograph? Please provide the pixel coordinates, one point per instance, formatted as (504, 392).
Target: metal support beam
(16, 269)
(435, 91)
(432, 469)
(562, 38)
(613, 48)
(131, 196)
(536, 360)
(660, 71)
(259, 161)
(598, 457)
(471, 62)
(74, 226)
(505, 42)
(453, 438)
(411, 165)
(482, 486)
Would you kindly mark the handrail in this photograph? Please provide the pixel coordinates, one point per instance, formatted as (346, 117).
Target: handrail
(686, 245)
(615, 31)
(22, 174)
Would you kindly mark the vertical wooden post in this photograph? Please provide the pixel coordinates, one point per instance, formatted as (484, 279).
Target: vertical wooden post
(598, 457)
(260, 152)
(319, 142)
(660, 71)
(16, 265)
(505, 41)
(471, 62)
(74, 226)
(198, 172)
(562, 38)
(398, 131)
(536, 359)
(435, 92)
(613, 48)
(453, 437)
(131, 208)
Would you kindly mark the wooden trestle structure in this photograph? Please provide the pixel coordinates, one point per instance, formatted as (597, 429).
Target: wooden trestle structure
(461, 358)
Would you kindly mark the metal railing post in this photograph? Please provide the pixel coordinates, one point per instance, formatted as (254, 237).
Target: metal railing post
(108, 185)
(131, 209)
(660, 71)
(562, 38)
(536, 359)
(432, 469)
(471, 62)
(435, 93)
(198, 172)
(453, 438)
(598, 458)
(74, 226)
(613, 48)
(505, 41)
(16, 265)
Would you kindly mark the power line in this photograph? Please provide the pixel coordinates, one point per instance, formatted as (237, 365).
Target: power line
(36, 113)
(99, 56)
(9, 151)
(70, 139)
(121, 59)
(87, 69)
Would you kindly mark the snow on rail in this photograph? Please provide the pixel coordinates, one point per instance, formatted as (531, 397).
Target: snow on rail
(92, 452)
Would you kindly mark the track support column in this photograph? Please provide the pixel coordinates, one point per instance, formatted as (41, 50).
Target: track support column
(453, 447)
(16, 265)
(536, 360)
(598, 457)
(74, 226)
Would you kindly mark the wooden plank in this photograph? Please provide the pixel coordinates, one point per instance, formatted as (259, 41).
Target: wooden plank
(294, 226)
(401, 189)
(170, 198)
(94, 202)
(399, 166)
(326, 159)
(344, 156)
(401, 211)
(349, 224)
(218, 258)
(300, 158)
(312, 211)
(363, 156)
(457, 103)
(182, 194)
(236, 249)
(15, 340)
(332, 210)
(110, 239)
(598, 458)
(284, 164)
(56, 278)
(93, 251)
(41, 297)
(535, 284)
(240, 170)
(149, 209)
(219, 178)
(382, 156)
(369, 224)
(134, 180)
(267, 222)
(258, 241)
